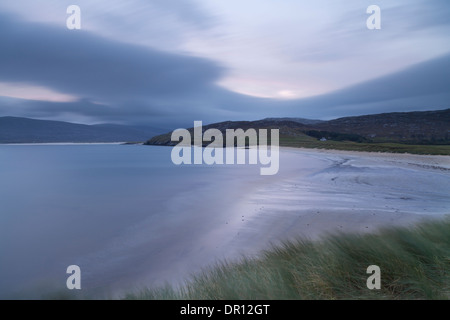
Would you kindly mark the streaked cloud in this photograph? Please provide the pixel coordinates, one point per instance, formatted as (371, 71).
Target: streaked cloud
(172, 62)
(84, 64)
(31, 92)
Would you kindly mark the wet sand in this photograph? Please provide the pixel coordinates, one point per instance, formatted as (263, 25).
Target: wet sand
(131, 219)
(316, 193)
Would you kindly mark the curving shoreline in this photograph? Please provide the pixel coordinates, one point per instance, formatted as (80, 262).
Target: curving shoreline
(134, 220)
(317, 193)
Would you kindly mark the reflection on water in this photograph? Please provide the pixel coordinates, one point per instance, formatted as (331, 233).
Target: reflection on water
(76, 204)
(129, 217)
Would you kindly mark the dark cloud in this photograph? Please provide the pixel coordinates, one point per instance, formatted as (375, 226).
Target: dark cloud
(427, 78)
(209, 106)
(124, 83)
(82, 64)
(114, 81)
(424, 86)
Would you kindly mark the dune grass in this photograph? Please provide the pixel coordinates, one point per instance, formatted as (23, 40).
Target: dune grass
(414, 263)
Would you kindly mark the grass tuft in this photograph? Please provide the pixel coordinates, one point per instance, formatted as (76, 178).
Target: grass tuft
(414, 263)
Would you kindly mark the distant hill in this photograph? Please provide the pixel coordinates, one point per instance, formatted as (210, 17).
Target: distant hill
(427, 127)
(299, 120)
(410, 127)
(24, 130)
(286, 127)
(420, 128)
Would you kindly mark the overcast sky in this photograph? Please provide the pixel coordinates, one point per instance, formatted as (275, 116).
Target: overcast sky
(170, 62)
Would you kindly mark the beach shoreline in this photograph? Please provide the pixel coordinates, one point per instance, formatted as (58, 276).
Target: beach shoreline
(174, 221)
(318, 193)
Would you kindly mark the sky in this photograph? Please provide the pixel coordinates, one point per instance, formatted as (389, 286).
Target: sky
(166, 63)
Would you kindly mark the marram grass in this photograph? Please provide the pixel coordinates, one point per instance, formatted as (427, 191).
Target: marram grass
(414, 264)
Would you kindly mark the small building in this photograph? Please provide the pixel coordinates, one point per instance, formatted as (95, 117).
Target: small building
(323, 139)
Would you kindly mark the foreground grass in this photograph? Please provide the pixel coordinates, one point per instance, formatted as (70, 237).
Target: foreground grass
(414, 263)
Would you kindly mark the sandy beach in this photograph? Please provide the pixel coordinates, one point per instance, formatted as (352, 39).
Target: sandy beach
(316, 193)
(131, 219)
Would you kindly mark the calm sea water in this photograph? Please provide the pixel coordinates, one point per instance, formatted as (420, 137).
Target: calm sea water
(97, 206)
(129, 217)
